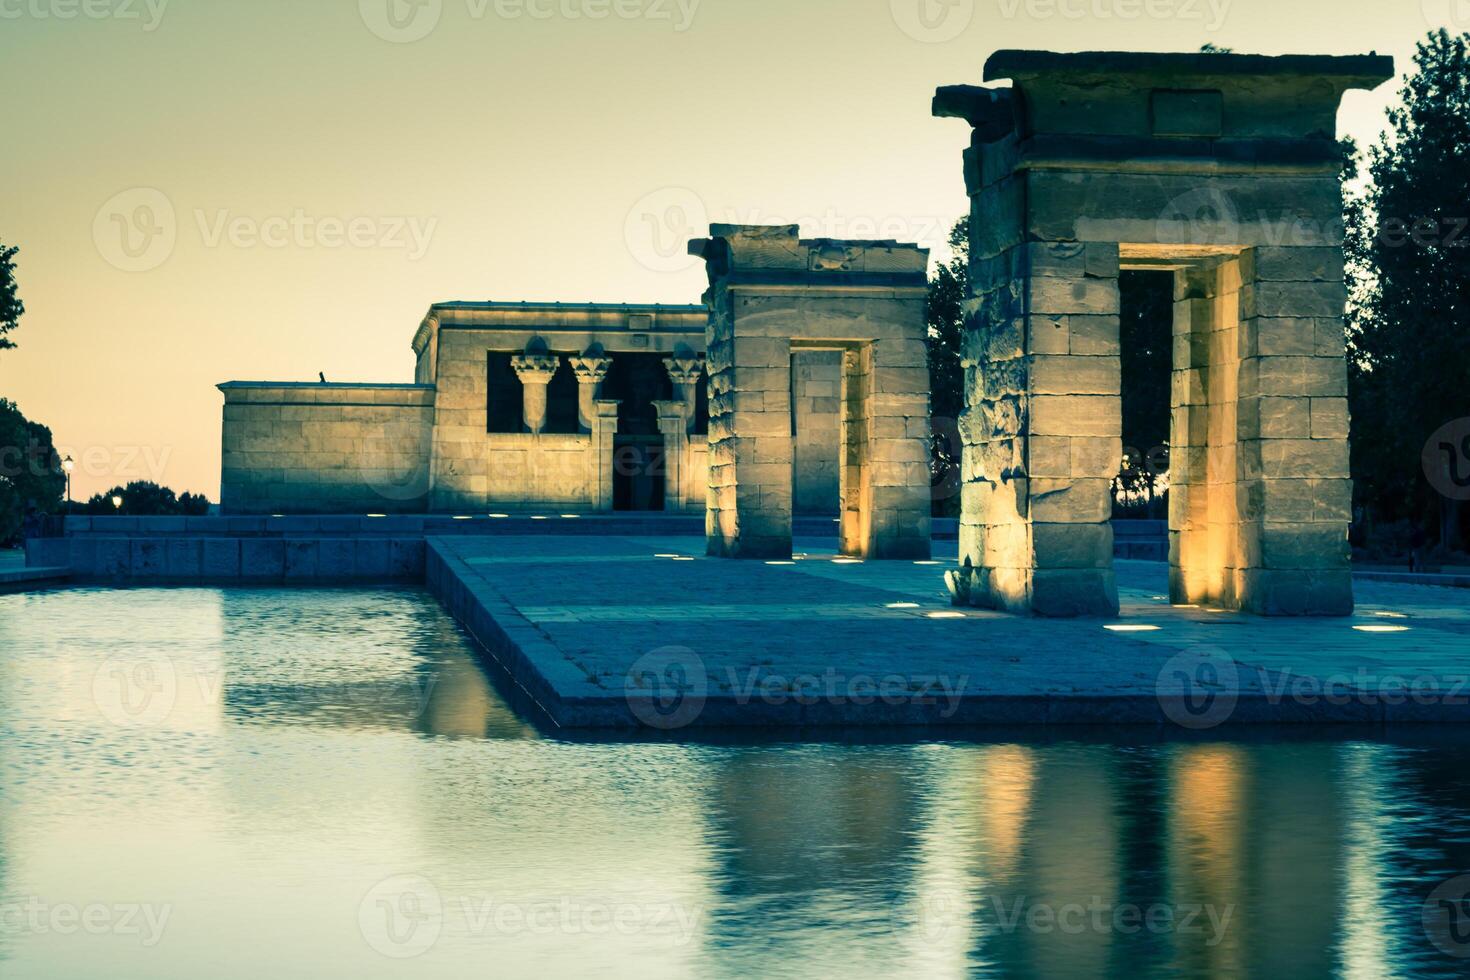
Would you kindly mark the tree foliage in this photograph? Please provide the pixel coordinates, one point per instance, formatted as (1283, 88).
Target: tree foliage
(30, 472)
(11, 307)
(1408, 249)
(948, 287)
(142, 498)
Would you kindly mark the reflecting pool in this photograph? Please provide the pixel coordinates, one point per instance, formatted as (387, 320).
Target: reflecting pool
(253, 783)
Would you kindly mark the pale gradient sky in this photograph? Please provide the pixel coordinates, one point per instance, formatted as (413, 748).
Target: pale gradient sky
(531, 151)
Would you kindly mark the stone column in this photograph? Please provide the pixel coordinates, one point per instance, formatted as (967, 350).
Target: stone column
(591, 370)
(685, 371)
(535, 372)
(675, 429)
(604, 429)
(1295, 488)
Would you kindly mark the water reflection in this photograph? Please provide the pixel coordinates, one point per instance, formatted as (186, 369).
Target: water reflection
(282, 769)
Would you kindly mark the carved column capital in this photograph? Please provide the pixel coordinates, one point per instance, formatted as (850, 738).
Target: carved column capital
(535, 369)
(684, 370)
(591, 370)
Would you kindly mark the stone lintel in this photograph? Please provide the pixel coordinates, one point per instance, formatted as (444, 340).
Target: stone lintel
(1351, 71)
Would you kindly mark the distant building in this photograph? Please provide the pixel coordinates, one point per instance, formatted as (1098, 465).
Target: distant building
(515, 406)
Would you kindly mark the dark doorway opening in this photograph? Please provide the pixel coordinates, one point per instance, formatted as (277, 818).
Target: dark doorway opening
(639, 470)
(1146, 336)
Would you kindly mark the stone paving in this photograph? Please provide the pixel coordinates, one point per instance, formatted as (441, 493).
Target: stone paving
(623, 630)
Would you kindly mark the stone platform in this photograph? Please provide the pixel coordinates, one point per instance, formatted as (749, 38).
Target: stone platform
(623, 632)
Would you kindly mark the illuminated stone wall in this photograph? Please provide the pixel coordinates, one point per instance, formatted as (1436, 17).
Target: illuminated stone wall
(774, 295)
(1224, 170)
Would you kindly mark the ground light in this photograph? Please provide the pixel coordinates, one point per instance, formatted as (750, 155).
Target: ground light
(947, 615)
(847, 561)
(499, 516)
(1381, 629)
(1131, 628)
(780, 563)
(377, 516)
(903, 605)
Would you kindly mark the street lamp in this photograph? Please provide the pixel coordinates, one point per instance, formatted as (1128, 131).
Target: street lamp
(68, 465)
(116, 502)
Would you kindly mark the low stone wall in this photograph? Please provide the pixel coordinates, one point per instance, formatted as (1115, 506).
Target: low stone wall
(325, 448)
(195, 560)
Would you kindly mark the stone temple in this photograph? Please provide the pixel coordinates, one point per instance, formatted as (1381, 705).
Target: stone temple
(816, 402)
(800, 385)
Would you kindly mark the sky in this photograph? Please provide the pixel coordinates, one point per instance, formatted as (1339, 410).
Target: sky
(216, 190)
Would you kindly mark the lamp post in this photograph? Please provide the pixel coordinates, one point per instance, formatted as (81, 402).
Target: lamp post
(67, 465)
(116, 502)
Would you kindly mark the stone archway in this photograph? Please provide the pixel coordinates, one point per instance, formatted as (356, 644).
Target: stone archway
(1223, 169)
(772, 292)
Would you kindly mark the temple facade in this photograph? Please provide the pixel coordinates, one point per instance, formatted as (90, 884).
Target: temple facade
(517, 407)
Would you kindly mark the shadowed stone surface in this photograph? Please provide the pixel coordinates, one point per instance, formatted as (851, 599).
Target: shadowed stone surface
(607, 633)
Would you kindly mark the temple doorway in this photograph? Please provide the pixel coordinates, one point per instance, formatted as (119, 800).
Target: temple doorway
(636, 381)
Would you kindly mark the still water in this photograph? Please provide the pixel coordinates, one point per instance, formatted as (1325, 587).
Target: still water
(305, 784)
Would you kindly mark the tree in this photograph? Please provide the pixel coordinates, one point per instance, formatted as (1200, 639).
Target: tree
(1408, 247)
(944, 310)
(142, 498)
(30, 471)
(11, 307)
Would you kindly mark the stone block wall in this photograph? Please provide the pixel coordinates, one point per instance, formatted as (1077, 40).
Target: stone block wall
(1223, 169)
(773, 295)
(313, 449)
(1294, 493)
